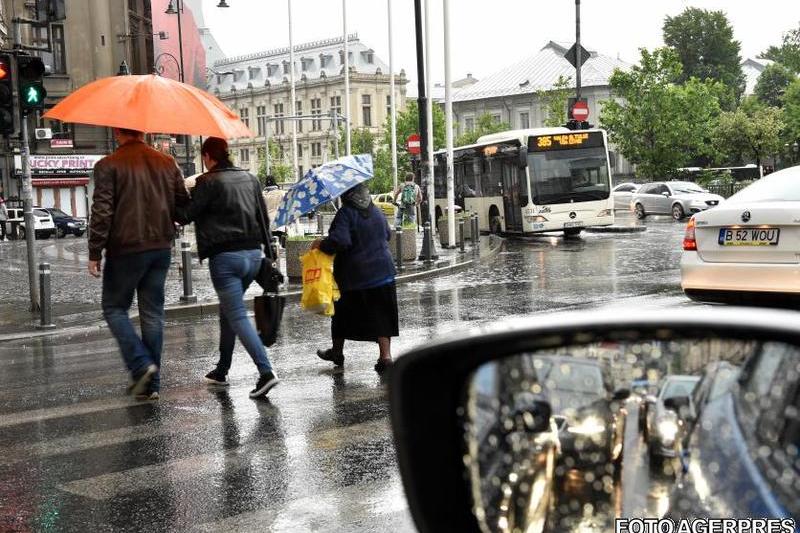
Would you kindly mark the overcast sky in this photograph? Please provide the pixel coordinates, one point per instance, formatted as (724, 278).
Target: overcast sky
(488, 35)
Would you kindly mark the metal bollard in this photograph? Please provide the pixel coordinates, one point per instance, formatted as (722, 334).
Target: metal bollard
(427, 236)
(476, 232)
(186, 262)
(398, 242)
(320, 224)
(461, 243)
(45, 308)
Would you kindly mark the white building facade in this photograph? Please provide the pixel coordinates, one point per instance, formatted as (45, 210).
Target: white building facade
(257, 86)
(510, 95)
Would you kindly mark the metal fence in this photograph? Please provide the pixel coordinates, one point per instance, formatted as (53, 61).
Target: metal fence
(727, 190)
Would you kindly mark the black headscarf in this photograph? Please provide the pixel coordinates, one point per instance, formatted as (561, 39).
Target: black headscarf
(359, 198)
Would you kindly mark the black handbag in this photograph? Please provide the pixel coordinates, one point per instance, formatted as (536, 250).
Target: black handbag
(269, 306)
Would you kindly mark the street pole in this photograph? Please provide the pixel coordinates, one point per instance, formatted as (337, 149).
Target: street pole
(346, 80)
(422, 99)
(448, 117)
(27, 189)
(578, 58)
(181, 75)
(391, 98)
(266, 141)
(429, 117)
(335, 125)
(293, 106)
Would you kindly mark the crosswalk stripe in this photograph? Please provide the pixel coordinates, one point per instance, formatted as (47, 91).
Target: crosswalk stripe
(107, 486)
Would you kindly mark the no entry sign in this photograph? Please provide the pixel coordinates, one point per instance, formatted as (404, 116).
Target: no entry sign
(412, 144)
(580, 110)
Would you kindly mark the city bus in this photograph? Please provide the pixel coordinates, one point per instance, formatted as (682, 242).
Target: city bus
(531, 181)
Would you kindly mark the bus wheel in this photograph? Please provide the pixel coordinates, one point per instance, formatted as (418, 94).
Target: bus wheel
(571, 233)
(639, 210)
(495, 226)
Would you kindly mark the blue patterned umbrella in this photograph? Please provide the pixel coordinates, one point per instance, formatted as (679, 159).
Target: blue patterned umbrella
(323, 184)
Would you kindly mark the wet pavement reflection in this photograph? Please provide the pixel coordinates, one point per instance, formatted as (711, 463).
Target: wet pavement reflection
(76, 454)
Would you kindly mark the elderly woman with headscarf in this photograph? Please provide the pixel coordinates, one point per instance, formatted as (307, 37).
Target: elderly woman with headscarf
(364, 271)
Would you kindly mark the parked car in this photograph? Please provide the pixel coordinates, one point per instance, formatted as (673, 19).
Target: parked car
(746, 251)
(662, 426)
(66, 224)
(586, 410)
(742, 453)
(622, 194)
(676, 198)
(43, 224)
(385, 202)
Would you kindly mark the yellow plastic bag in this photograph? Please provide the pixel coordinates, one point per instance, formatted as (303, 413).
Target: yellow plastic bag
(319, 287)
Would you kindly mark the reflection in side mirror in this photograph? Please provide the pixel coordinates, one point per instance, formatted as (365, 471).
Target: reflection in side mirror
(677, 403)
(621, 394)
(544, 438)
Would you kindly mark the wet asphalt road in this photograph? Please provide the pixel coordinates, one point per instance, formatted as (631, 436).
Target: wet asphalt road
(76, 454)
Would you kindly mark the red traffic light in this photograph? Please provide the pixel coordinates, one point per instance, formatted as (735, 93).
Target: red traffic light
(5, 70)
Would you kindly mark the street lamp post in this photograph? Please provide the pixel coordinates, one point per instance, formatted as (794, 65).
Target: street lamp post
(171, 10)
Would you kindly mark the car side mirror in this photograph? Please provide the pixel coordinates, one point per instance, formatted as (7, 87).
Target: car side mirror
(677, 403)
(522, 157)
(665, 194)
(621, 395)
(455, 403)
(650, 399)
(533, 419)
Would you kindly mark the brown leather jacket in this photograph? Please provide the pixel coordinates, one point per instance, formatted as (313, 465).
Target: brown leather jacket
(136, 191)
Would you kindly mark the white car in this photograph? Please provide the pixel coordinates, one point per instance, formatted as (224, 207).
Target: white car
(43, 224)
(747, 250)
(622, 194)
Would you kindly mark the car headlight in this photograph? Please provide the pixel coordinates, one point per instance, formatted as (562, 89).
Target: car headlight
(70, 224)
(604, 213)
(667, 429)
(591, 425)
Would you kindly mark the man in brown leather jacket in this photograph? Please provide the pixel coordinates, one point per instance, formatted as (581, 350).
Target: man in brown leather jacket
(136, 191)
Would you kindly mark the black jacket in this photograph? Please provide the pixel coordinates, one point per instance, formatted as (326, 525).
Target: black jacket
(225, 210)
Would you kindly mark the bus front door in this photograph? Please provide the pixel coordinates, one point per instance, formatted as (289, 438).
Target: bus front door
(511, 197)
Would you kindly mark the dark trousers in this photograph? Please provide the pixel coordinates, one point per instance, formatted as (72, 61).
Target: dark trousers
(144, 274)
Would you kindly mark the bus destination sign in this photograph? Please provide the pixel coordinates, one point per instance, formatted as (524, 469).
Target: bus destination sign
(565, 141)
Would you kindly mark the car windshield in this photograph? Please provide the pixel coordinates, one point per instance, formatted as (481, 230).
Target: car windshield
(686, 188)
(571, 378)
(780, 187)
(678, 387)
(58, 213)
(569, 176)
(41, 213)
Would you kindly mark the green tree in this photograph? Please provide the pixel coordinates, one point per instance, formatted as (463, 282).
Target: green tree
(772, 83)
(750, 132)
(555, 100)
(788, 52)
(658, 124)
(279, 168)
(485, 125)
(706, 48)
(362, 141)
(791, 111)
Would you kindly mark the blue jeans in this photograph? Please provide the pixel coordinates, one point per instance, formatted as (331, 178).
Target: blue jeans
(232, 273)
(142, 273)
(407, 213)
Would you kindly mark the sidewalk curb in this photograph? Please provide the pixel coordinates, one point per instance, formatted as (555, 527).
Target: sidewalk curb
(211, 308)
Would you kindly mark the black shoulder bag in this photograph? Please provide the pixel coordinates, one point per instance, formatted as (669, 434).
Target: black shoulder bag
(269, 306)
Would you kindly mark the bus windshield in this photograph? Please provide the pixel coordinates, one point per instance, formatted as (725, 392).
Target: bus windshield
(563, 176)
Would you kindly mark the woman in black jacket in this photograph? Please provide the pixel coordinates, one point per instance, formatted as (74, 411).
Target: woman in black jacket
(227, 209)
(364, 272)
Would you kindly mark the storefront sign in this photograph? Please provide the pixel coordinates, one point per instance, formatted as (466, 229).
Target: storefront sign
(61, 143)
(68, 165)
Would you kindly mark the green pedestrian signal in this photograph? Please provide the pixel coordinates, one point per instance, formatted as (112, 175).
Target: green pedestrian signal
(30, 73)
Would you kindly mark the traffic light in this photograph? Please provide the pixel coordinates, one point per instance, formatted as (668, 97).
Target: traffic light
(6, 95)
(30, 74)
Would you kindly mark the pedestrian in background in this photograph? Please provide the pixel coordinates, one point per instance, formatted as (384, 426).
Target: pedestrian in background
(227, 207)
(3, 218)
(364, 271)
(407, 197)
(136, 193)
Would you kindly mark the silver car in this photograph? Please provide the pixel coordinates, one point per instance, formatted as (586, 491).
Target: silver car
(622, 195)
(677, 198)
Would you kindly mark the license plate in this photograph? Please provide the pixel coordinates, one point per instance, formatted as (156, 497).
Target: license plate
(576, 224)
(749, 236)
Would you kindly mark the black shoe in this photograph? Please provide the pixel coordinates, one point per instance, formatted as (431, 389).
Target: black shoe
(329, 355)
(264, 385)
(215, 377)
(142, 380)
(383, 365)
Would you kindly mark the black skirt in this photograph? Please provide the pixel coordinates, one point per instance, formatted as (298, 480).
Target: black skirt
(365, 315)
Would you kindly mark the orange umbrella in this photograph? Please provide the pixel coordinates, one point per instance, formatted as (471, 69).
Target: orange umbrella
(151, 104)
